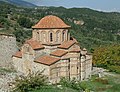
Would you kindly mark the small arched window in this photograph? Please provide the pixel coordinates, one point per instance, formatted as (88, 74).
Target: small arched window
(57, 36)
(37, 35)
(43, 38)
(63, 35)
(51, 37)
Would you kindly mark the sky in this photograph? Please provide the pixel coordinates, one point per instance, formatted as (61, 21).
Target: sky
(101, 5)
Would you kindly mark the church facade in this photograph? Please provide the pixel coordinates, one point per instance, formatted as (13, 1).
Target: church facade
(52, 50)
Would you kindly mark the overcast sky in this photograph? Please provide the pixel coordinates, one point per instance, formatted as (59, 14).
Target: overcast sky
(104, 5)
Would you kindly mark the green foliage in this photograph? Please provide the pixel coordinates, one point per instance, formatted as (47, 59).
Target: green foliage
(107, 57)
(99, 28)
(6, 70)
(25, 22)
(105, 84)
(114, 68)
(21, 35)
(54, 89)
(101, 80)
(29, 82)
(74, 84)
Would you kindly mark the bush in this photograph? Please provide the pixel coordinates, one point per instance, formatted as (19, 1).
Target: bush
(107, 57)
(29, 82)
(25, 22)
(100, 80)
(21, 35)
(70, 83)
(115, 68)
(65, 82)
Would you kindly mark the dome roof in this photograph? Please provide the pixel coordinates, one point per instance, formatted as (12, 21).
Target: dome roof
(50, 21)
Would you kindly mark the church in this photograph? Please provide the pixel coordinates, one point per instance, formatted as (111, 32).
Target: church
(53, 51)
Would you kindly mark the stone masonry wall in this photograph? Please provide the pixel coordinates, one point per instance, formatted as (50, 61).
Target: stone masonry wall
(8, 47)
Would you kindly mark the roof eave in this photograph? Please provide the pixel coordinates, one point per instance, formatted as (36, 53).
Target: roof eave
(33, 27)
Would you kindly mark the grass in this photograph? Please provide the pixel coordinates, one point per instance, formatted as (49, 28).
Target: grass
(54, 89)
(108, 83)
(104, 84)
(5, 70)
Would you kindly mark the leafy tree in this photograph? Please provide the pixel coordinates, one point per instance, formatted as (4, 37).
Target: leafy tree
(107, 57)
(25, 22)
(29, 82)
(21, 35)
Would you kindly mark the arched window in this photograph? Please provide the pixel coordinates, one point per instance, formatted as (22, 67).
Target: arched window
(57, 36)
(43, 37)
(63, 35)
(38, 36)
(51, 37)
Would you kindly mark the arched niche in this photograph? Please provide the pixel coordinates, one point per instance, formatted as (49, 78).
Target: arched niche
(38, 36)
(43, 37)
(58, 35)
(63, 35)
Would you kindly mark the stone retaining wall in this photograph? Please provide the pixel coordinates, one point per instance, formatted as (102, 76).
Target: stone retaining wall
(8, 47)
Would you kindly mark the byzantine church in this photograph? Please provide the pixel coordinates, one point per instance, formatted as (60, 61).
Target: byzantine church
(53, 51)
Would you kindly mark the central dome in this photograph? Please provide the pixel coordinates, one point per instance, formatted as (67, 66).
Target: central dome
(50, 21)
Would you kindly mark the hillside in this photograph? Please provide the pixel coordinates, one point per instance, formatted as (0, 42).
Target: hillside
(91, 28)
(19, 3)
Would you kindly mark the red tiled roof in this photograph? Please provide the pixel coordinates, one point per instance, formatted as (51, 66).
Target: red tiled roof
(66, 44)
(18, 54)
(59, 53)
(75, 50)
(47, 60)
(35, 44)
(75, 40)
(51, 21)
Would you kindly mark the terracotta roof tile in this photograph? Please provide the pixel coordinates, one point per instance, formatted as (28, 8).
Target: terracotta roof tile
(18, 54)
(66, 44)
(51, 21)
(75, 40)
(75, 50)
(35, 44)
(59, 53)
(47, 60)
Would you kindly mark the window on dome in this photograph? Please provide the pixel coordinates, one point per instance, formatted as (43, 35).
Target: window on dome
(58, 36)
(51, 37)
(38, 36)
(43, 38)
(63, 35)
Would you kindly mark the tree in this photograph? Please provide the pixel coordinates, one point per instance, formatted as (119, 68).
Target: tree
(107, 57)
(25, 22)
(30, 82)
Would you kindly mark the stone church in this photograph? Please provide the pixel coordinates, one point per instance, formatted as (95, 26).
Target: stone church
(54, 51)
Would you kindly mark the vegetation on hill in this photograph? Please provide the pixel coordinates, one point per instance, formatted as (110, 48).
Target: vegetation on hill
(91, 28)
(108, 57)
(19, 3)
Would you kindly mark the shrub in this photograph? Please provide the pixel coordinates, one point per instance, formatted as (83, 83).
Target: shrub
(70, 83)
(25, 22)
(29, 82)
(65, 82)
(107, 57)
(100, 80)
(115, 68)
